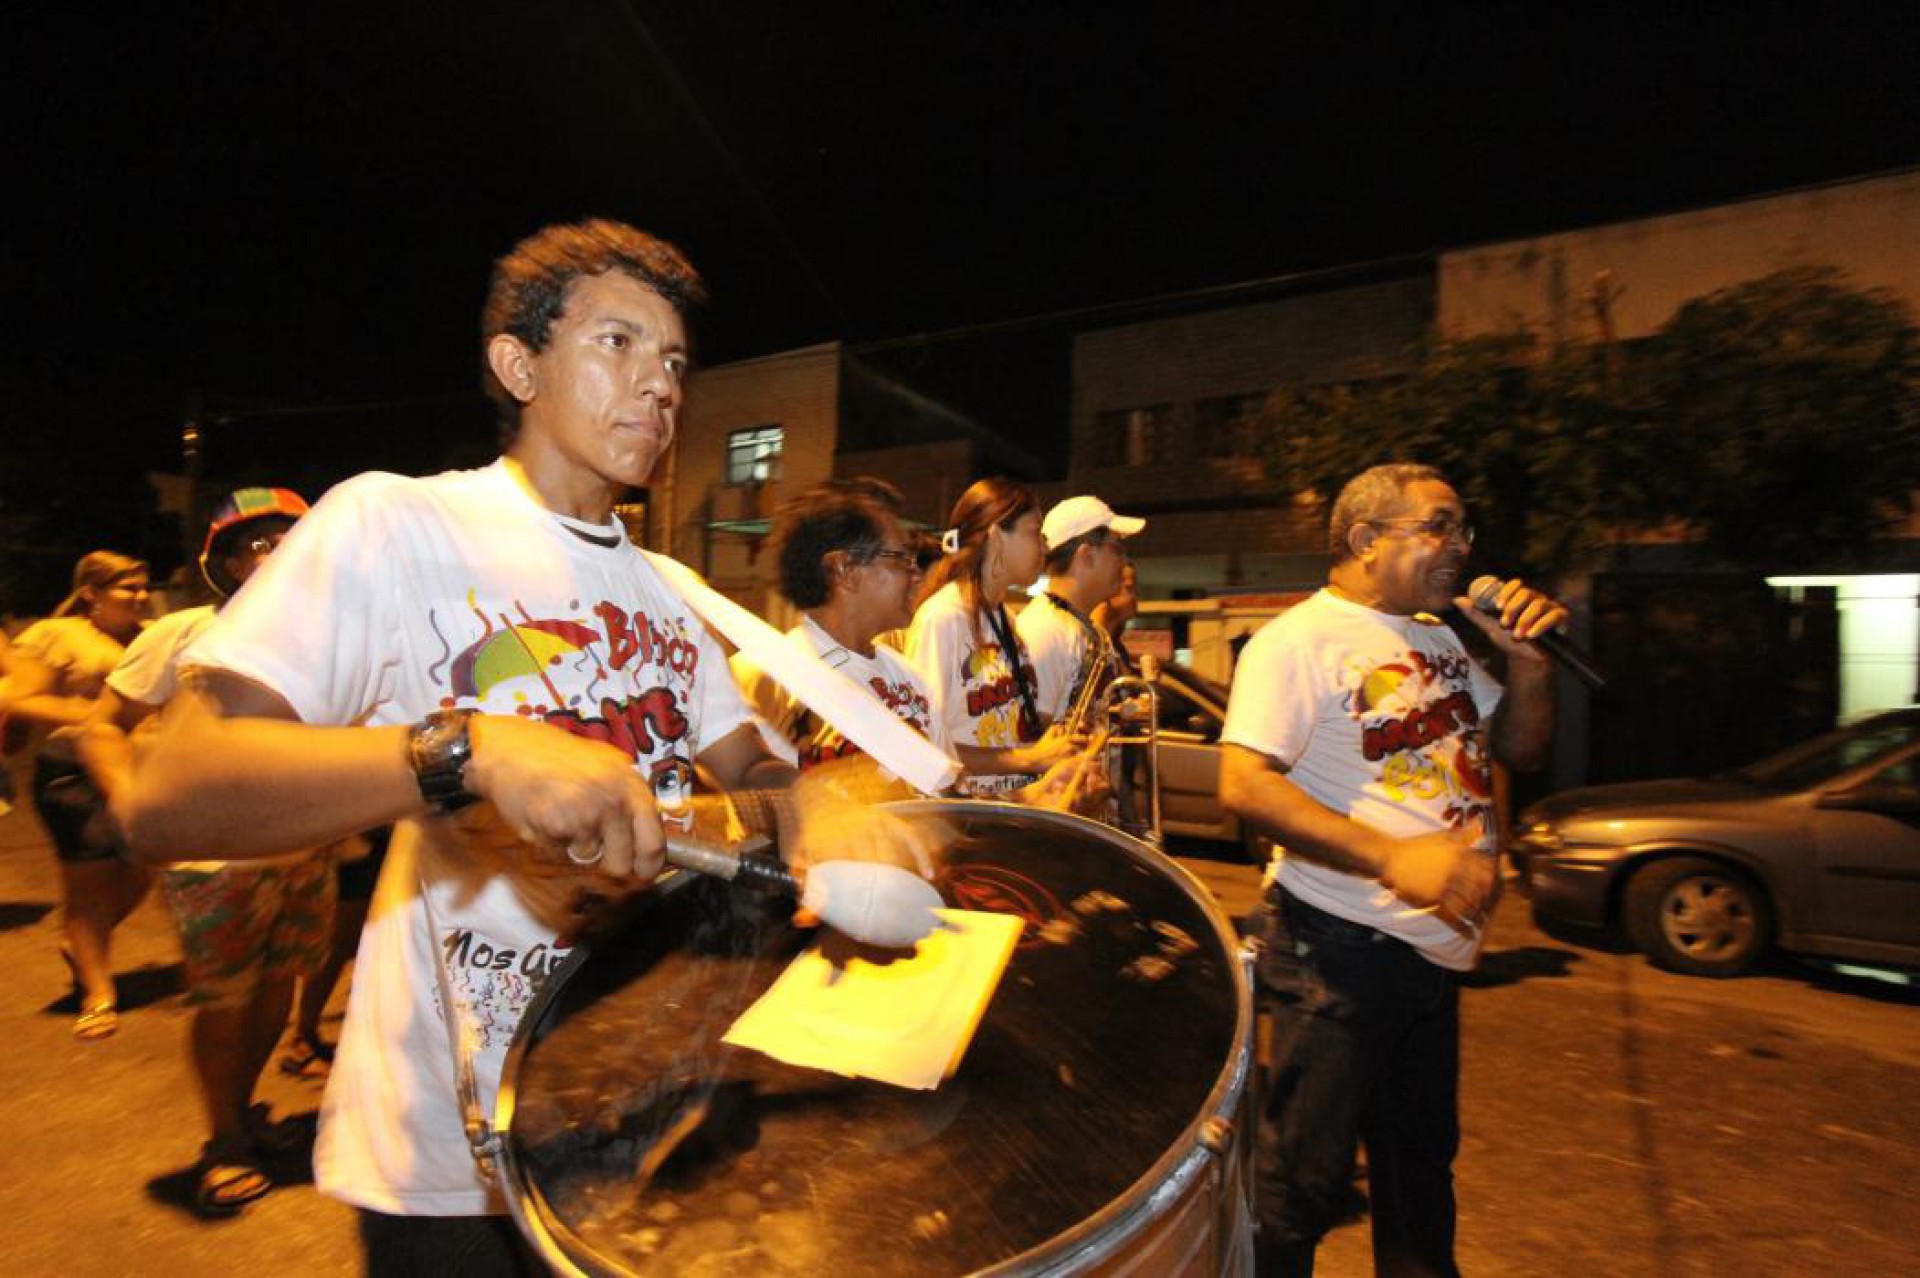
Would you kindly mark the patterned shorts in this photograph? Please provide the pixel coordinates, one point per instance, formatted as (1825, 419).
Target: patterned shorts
(242, 923)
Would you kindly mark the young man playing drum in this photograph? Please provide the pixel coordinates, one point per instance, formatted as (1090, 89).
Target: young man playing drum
(418, 645)
(1358, 736)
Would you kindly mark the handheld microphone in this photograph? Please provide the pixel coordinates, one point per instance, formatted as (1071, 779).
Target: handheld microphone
(1485, 594)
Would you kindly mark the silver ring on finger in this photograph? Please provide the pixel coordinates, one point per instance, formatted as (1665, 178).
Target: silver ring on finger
(573, 854)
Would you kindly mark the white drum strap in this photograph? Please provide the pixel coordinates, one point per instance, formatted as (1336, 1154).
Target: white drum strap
(835, 698)
(482, 1141)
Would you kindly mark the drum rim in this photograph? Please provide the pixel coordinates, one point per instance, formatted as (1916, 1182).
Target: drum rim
(1100, 1235)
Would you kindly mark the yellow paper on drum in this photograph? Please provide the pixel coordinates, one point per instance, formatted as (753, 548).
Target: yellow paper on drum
(907, 1022)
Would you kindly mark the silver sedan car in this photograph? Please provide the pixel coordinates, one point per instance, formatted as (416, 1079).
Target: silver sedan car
(1815, 849)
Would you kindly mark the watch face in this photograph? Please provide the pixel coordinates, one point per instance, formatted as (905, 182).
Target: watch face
(441, 732)
(440, 752)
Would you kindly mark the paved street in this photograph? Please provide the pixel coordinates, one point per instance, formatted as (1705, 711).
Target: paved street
(1619, 1120)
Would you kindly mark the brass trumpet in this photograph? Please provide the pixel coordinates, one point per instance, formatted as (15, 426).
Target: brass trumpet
(1132, 709)
(1122, 716)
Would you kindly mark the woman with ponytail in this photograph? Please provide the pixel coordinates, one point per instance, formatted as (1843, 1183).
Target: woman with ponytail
(963, 643)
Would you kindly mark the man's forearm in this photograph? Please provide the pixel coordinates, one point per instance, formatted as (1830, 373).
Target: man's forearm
(243, 787)
(1258, 793)
(54, 711)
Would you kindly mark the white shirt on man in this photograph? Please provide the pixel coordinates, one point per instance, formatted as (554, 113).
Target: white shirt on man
(810, 739)
(397, 597)
(1383, 719)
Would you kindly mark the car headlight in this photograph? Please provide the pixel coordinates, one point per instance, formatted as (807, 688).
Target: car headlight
(1542, 835)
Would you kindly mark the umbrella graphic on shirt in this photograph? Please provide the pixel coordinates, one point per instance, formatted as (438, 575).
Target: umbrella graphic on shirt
(516, 652)
(1381, 683)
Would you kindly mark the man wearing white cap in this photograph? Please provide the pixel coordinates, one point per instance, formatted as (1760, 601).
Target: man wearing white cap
(1085, 560)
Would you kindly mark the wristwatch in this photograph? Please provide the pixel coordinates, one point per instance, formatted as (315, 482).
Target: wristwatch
(438, 747)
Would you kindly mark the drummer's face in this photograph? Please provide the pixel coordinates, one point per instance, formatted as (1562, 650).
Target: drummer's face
(885, 584)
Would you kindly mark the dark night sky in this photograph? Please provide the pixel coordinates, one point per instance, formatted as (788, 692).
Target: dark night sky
(264, 202)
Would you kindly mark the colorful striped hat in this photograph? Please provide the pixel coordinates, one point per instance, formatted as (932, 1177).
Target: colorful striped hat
(244, 506)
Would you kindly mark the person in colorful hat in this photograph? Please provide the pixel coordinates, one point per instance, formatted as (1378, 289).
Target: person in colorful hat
(248, 930)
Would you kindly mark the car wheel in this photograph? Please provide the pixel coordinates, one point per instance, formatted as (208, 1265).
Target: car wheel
(1698, 917)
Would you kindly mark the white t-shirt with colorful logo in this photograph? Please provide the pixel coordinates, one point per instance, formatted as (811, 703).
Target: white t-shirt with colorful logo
(1381, 718)
(971, 683)
(885, 675)
(396, 597)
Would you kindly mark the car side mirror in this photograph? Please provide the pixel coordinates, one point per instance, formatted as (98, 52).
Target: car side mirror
(1884, 797)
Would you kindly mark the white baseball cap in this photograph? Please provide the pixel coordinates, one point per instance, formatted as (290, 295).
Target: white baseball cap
(1078, 516)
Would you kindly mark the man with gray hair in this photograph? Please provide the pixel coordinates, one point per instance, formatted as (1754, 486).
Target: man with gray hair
(1360, 736)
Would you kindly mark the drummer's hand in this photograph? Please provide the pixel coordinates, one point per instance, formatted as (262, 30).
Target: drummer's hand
(1077, 783)
(838, 815)
(575, 803)
(1053, 746)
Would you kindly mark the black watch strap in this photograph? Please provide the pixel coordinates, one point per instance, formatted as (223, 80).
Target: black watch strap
(439, 747)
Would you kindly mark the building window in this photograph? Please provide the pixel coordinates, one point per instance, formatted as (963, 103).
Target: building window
(753, 455)
(1227, 425)
(1133, 436)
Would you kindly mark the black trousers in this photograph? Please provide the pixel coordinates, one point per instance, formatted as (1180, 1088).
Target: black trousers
(1366, 1046)
(454, 1246)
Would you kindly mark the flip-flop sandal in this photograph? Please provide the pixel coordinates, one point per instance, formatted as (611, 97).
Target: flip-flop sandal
(96, 1023)
(306, 1057)
(227, 1179)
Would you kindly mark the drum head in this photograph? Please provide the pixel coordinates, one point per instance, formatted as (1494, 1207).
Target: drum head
(637, 1143)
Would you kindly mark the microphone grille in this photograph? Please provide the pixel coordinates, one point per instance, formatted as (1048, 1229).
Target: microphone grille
(1485, 593)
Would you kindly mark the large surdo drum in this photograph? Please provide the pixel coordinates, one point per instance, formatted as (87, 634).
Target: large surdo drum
(1092, 1127)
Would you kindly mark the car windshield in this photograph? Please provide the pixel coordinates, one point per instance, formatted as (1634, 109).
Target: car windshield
(1183, 702)
(1824, 758)
(1181, 674)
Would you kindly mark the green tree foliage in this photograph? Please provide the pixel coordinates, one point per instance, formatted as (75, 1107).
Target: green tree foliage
(1792, 404)
(1777, 420)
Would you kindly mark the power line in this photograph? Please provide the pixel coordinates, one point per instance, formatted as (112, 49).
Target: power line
(733, 166)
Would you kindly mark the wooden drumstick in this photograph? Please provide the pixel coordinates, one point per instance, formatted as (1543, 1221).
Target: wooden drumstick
(1094, 745)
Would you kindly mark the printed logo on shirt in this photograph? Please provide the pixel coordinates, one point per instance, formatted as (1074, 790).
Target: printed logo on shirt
(637, 726)
(905, 700)
(493, 983)
(568, 659)
(993, 698)
(820, 742)
(1419, 722)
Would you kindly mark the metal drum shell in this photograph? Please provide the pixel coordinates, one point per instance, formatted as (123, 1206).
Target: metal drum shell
(1185, 1214)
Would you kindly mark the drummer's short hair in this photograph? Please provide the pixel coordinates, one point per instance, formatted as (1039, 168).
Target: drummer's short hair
(839, 514)
(529, 287)
(1377, 493)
